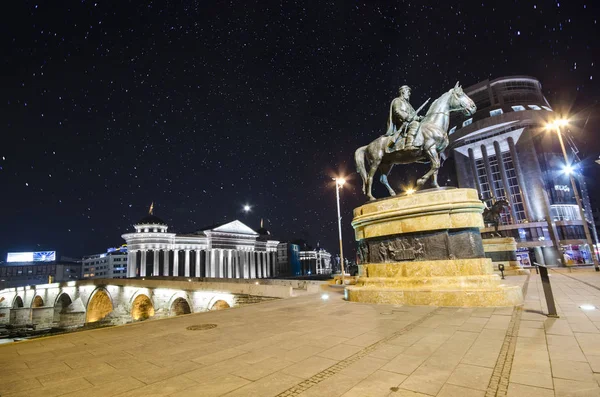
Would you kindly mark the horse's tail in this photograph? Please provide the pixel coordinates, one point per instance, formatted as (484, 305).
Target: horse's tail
(359, 158)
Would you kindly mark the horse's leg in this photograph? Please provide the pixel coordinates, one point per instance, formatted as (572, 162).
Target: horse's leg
(434, 158)
(374, 164)
(385, 169)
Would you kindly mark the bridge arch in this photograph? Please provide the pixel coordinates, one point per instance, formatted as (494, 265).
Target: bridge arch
(142, 307)
(17, 302)
(220, 302)
(62, 302)
(99, 305)
(37, 302)
(179, 304)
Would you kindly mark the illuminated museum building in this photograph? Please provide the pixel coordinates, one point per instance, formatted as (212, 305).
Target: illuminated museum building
(229, 250)
(32, 268)
(506, 152)
(111, 264)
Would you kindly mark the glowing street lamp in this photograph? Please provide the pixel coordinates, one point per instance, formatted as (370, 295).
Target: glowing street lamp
(246, 208)
(339, 183)
(569, 170)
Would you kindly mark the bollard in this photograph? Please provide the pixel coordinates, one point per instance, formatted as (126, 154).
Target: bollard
(501, 268)
(547, 290)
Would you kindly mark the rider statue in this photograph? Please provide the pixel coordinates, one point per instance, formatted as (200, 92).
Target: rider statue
(403, 118)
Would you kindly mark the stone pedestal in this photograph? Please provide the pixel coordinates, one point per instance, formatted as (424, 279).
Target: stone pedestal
(503, 250)
(426, 249)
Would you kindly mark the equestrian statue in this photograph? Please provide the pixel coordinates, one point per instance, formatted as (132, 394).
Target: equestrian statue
(411, 138)
(492, 215)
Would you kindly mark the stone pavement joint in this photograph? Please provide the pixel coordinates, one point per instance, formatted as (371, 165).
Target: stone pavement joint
(498, 385)
(334, 369)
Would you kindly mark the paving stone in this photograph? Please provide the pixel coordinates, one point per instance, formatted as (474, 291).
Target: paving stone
(518, 390)
(215, 387)
(458, 391)
(471, 376)
(571, 388)
(379, 383)
(529, 378)
(309, 367)
(572, 370)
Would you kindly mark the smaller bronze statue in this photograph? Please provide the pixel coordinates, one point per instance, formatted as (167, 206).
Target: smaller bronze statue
(492, 215)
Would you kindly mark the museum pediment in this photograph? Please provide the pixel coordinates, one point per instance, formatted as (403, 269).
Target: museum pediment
(234, 227)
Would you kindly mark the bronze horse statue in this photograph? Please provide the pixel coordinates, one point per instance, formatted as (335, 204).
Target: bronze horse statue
(492, 215)
(431, 140)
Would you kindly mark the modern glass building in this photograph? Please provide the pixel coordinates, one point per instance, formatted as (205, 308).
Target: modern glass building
(506, 152)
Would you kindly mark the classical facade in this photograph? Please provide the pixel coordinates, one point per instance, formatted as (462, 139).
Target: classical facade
(506, 152)
(229, 250)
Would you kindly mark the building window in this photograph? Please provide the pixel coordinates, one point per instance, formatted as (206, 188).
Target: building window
(534, 107)
(452, 130)
(547, 108)
(513, 186)
(467, 122)
(495, 112)
(518, 108)
(565, 212)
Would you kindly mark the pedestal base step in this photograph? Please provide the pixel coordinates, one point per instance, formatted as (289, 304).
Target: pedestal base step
(494, 297)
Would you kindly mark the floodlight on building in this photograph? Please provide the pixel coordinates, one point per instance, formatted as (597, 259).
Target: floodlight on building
(568, 169)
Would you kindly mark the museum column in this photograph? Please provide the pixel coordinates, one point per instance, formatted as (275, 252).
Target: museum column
(155, 271)
(131, 264)
(166, 262)
(213, 263)
(197, 264)
(143, 263)
(269, 264)
(229, 264)
(246, 273)
(239, 264)
(221, 263)
(186, 268)
(175, 263)
(259, 270)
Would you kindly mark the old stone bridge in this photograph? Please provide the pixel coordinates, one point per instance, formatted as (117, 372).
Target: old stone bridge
(118, 301)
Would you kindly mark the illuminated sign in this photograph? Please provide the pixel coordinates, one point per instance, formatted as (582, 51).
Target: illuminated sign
(563, 188)
(43, 256)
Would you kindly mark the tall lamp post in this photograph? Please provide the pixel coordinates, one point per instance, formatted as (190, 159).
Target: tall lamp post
(569, 169)
(339, 183)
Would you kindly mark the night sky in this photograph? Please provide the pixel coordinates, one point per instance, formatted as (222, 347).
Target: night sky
(204, 106)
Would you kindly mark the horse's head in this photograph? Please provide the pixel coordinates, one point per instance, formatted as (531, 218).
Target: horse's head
(461, 101)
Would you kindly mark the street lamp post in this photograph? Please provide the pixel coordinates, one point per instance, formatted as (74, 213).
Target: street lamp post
(339, 182)
(586, 229)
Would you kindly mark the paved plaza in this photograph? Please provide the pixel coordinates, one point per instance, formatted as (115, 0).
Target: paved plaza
(309, 346)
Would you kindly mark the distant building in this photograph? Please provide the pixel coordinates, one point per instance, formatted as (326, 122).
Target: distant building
(288, 259)
(506, 153)
(315, 262)
(111, 264)
(226, 250)
(33, 268)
